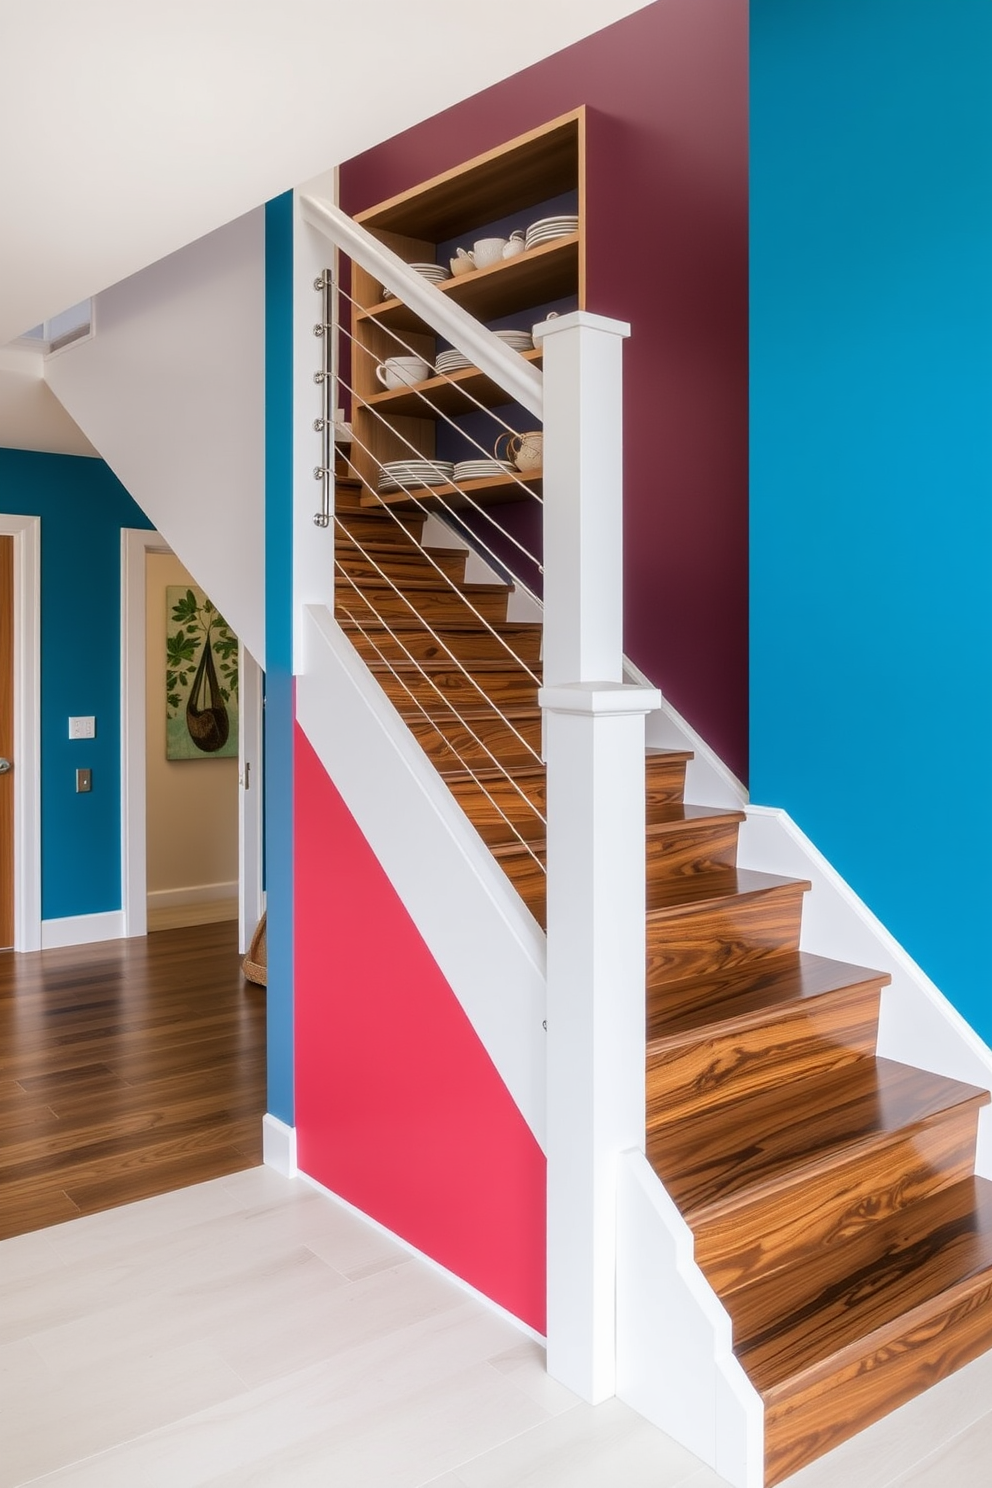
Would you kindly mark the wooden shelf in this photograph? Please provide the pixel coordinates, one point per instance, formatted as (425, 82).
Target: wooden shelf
(489, 491)
(518, 182)
(546, 273)
(538, 165)
(446, 394)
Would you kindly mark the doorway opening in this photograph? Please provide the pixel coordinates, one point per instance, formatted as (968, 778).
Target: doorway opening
(192, 828)
(20, 705)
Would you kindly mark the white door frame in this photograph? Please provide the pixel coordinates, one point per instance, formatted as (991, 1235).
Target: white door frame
(26, 532)
(251, 899)
(135, 543)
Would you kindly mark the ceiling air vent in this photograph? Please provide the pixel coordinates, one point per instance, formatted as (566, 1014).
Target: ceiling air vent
(62, 330)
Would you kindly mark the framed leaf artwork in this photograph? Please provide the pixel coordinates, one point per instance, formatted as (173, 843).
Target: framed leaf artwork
(201, 678)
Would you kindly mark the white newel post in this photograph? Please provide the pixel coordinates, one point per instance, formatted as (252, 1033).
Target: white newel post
(594, 745)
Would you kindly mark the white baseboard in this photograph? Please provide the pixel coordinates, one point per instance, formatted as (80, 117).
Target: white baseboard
(82, 929)
(460, 1282)
(279, 1146)
(195, 894)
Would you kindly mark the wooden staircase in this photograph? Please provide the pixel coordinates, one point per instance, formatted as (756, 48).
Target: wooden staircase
(831, 1194)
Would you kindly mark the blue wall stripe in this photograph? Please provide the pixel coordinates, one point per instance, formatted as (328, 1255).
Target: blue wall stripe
(82, 506)
(871, 457)
(279, 710)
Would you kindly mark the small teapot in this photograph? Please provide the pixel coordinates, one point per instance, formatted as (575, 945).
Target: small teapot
(462, 263)
(514, 244)
(525, 450)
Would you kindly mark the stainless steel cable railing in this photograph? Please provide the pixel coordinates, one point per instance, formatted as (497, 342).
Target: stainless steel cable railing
(465, 496)
(409, 491)
(370, 641)
(339, 568)
(436, 706)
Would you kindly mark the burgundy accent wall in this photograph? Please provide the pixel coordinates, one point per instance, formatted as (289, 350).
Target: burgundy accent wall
(399, 1108)
(667, 250)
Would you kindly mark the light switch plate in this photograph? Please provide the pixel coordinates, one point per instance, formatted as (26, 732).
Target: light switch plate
(84, 781)
(82, 728)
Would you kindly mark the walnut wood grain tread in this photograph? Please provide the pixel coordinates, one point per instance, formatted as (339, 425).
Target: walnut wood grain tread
(902, 1307)
(679, 897)
(716, 1040)
(431, 585)
(749, 996)
(715, 1162)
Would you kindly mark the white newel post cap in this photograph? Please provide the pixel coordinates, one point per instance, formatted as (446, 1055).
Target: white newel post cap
(581, 320)
(598, 699)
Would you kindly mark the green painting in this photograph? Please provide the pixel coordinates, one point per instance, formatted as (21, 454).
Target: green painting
(201, 678)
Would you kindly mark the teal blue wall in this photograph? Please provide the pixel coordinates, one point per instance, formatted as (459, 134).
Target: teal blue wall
(871, 457)
(82, 506)
(279, 707)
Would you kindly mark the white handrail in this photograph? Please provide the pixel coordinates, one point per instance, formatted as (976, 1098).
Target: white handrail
(521, 380)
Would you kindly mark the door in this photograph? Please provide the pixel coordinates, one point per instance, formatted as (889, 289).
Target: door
(6, 742)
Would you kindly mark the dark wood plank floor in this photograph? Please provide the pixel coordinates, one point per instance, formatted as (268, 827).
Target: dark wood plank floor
(127, 1069)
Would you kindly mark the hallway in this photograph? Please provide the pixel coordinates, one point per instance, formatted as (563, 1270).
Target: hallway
(127, 1068)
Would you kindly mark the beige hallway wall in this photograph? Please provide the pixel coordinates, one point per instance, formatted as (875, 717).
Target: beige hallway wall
(191, 805)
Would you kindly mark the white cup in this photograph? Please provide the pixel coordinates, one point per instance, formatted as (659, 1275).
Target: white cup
(488, 251)
(402, 371)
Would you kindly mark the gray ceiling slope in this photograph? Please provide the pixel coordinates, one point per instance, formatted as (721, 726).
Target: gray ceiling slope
(131, 128)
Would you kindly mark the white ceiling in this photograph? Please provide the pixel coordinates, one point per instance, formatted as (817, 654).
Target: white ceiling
(131, 127)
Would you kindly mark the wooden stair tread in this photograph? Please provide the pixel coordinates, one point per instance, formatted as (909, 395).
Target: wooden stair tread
(507, 668)
(409, 549)
(749, 995)
(675, 896)
(512, 712)
(854, 1298)
(675, 814)
(713, 1161)
(489, 773)
(449, 625)
(428, 586)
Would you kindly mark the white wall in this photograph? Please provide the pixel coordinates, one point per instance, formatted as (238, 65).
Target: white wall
(170, 391)
(191, 815)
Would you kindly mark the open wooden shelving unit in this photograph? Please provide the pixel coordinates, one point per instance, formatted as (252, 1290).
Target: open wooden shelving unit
(516, 178)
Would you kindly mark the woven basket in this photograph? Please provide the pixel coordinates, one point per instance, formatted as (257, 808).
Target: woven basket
(254, 964)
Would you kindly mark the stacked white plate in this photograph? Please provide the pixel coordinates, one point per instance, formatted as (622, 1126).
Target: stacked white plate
(451, 361)
(519, 340)
(479, 469)
(436, 273)
(395, 474)
(550, 227)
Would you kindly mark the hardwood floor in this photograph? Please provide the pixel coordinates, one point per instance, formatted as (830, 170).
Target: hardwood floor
(127, 1069)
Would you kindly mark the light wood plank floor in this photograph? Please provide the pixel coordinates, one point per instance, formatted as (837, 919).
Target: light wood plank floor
(251, 1330)
(127, 1069)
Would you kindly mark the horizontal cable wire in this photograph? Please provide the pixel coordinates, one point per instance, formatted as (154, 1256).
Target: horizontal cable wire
(444, 575)
(446, 377)
(455, 662)
(463, 762)
(452, 511)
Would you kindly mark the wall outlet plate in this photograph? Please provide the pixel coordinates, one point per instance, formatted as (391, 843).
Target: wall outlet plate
(82, 728)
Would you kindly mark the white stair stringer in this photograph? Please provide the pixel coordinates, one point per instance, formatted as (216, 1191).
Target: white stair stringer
(675, 1358)
(486, 942)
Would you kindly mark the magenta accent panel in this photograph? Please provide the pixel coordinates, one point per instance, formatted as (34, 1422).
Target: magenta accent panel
(399, 1108)
(667, 90)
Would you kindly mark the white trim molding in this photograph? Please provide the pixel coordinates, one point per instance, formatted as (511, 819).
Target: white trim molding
(135, 543)
(82, 929)
(26, 532)
(421, 1255)
(193, 894)
(279, 1146)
